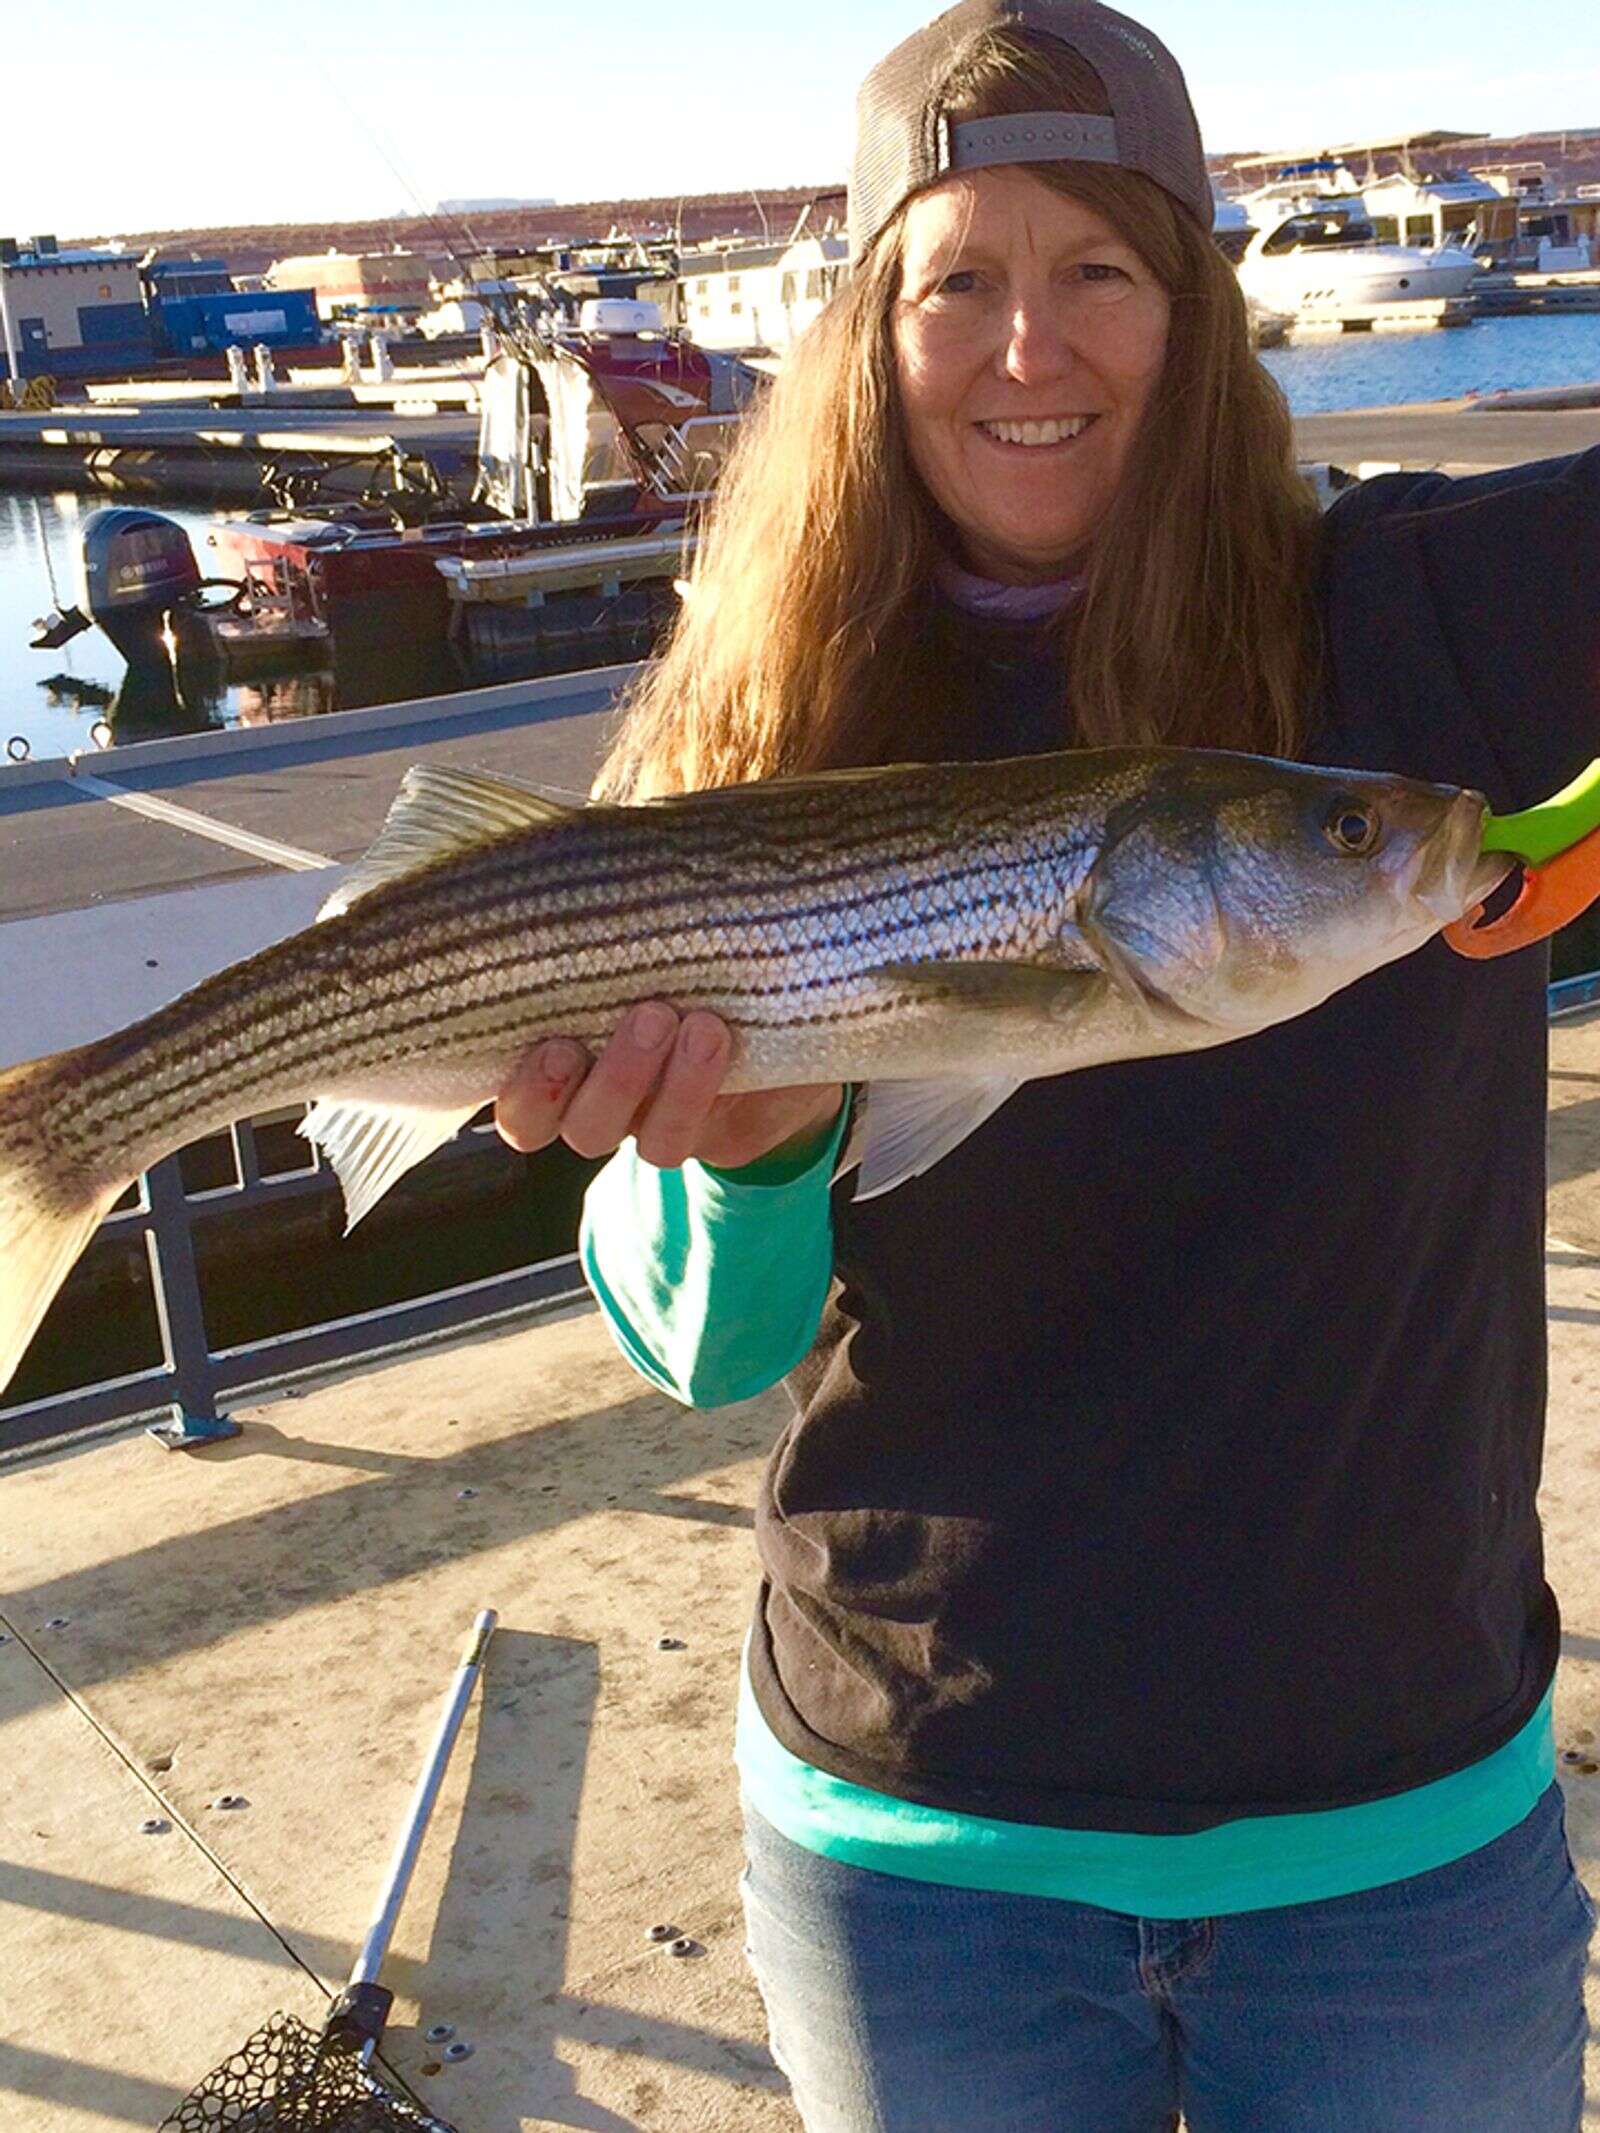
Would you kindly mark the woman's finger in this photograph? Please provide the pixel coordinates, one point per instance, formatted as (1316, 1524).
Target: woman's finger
(528, 1110)
(674, 1117)
(616, 1088)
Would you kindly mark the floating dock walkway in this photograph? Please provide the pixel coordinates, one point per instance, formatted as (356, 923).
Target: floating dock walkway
(1339, 315)
(1515, 295)
(172, 450)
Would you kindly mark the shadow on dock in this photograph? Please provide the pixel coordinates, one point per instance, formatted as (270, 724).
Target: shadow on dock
(275, 1619)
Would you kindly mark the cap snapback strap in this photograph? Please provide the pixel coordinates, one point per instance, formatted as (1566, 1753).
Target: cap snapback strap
(1033, 137)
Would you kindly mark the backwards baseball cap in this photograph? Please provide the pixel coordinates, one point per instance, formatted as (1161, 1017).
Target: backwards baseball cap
(904, 140)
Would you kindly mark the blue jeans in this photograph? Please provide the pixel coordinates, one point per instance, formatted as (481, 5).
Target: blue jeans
(1451, 2002)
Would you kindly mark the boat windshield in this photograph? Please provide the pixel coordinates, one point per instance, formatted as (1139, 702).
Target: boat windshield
(1324, 228)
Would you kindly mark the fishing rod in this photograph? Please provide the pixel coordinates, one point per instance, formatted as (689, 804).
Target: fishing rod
(507, 322)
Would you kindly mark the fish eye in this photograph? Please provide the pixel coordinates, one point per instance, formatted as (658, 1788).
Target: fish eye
(1352, 827)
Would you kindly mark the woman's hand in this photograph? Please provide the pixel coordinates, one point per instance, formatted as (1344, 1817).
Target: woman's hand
(657, 1078)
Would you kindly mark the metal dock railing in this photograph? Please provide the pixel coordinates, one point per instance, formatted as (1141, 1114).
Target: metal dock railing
(192, 1381)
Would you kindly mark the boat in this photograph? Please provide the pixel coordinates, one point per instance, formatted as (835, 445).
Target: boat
(1231, 227)
(759, 298)
(597, 445)
(1537, 226)
(1510, 217)
(1432, 210)
(1316, 255)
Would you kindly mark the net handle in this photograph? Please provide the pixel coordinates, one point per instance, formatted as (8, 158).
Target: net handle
(373, 1949)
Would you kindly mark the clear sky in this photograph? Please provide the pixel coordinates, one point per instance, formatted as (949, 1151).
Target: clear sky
(158, 114)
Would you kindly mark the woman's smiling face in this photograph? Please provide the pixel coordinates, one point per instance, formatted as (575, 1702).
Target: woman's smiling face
(1028, 339)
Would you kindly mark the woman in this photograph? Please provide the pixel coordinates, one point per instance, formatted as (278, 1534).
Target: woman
(1148, 1701)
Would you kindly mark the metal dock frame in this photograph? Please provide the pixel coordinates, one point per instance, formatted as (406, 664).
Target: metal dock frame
(189, 1387)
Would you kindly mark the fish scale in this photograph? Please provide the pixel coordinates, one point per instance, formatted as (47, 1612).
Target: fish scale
(939, 932)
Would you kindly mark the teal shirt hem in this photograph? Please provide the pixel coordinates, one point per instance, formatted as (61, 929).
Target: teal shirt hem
(712, 1283)
(1258, 1863)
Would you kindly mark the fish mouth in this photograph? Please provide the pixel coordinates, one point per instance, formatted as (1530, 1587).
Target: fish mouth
(1490, 870)
(1461, 874)
(1463, 890)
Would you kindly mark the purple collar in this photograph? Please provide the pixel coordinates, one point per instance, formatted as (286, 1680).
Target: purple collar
(1004, 603)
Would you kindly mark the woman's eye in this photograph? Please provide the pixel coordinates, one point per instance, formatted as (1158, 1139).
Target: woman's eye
(961, 283)
(1101, 270)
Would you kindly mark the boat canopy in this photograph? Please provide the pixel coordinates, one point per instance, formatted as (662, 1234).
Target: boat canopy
(578, 427)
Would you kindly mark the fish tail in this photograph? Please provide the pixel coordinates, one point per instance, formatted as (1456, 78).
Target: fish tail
(46, 1218)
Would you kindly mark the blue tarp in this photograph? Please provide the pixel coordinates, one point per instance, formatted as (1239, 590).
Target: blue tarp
(279, 318)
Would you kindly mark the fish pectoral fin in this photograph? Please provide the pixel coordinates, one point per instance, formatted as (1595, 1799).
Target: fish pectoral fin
(1044, 989)
(372, 1146)
(438, 812)
(903, 1128)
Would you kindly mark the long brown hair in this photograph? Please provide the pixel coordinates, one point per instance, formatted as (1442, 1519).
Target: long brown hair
(797, 646)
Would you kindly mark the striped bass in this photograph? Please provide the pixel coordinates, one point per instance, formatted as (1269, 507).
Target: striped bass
(940, 933)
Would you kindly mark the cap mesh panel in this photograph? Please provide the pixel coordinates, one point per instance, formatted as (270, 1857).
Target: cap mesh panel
(898, 134)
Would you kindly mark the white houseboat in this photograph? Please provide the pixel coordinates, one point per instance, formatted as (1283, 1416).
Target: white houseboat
(759, 298)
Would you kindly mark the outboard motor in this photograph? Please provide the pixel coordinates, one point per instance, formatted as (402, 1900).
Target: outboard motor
(136, 565)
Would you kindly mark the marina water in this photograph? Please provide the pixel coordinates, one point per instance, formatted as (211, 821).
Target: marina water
(52, 703)
(1322, 373)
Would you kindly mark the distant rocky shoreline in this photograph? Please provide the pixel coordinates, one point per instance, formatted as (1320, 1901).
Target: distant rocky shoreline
(1571, 156)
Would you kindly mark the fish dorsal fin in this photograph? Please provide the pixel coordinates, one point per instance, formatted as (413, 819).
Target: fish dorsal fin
(372, 1146)
(437, 812)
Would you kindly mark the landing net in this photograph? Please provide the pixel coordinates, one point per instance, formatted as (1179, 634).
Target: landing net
(291, 2079)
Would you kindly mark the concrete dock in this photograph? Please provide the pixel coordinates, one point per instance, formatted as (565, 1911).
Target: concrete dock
(279, 1623)
(276, 1619)
(1454, 436)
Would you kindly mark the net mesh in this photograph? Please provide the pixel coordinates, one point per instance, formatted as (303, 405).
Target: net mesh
(290, 2079)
